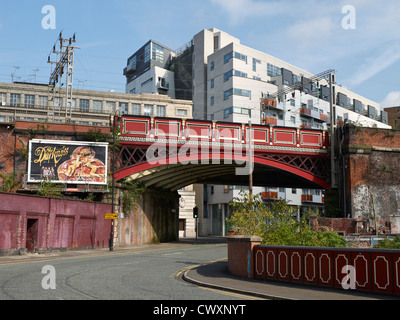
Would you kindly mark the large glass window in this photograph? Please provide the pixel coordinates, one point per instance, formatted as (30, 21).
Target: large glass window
(136, 109)
(29, 101)
(3, 98)
(147, 53)
(43, 101)
(97, 105)
(15, 99)
(157, 53)
(160, 111)
(148, 110)
(83, 105)
(123, 108)
(273, 71)
(110, 107)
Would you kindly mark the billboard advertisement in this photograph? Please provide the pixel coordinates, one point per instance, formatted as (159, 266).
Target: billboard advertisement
(72, 162)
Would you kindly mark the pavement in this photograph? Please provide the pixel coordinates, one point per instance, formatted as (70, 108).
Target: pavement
(215, 275)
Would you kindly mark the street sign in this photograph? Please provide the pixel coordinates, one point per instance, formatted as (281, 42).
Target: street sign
(111, 216)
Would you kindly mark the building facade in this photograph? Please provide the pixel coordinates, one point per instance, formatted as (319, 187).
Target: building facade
(394, 117)
(230, 81)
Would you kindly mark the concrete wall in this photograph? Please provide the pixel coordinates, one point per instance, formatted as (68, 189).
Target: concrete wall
(58, 224)
(154, 220)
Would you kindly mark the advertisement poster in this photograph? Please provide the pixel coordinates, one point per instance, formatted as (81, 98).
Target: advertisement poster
(73, 162)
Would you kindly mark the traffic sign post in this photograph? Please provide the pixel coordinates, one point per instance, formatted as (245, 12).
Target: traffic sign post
(111, 216)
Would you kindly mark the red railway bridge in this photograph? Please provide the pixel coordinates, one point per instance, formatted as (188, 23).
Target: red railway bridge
(170, 153)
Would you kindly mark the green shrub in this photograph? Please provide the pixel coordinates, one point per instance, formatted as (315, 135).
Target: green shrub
(389, 244)
(276, 224)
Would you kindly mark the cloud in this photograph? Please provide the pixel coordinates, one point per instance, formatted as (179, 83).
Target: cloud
(391, 100)
(374, 65)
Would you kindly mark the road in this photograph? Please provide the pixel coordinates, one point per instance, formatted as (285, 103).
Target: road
(122, 275)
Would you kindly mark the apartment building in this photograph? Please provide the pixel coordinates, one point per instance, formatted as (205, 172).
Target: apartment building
(229, 81)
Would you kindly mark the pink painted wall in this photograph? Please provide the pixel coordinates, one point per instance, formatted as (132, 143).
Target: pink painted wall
(61, 223)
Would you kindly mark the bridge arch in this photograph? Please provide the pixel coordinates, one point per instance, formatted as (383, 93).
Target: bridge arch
(220, 168)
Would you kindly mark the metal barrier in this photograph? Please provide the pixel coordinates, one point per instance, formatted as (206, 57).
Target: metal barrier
(373, 270)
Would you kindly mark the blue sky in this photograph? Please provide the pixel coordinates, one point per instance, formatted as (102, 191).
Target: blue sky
(305, 33)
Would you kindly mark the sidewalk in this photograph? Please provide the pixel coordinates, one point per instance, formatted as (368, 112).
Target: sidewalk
(215, 275)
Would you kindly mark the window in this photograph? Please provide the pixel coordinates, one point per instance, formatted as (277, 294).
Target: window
(212, 83)
(242, 92)
(227, 112)
(227, 94)
(237, 110)
(160, 111)
(147, 53)
(136, 109)
(292, 102)
(181, 112)
(255, 62)
(29, 101)
(43, 101)
(147, 82)
(231, 73)
(110, 107)
(212, 65)
(293, 119)
(58, 102)
(157, 52)
(132, 63)
(294, 191)
(3, 99)
(273, 71)
(15, 100)
(83, 105)
(212, 100)
(97, 105)
(148, 110)
(123, 108)
(236, 55)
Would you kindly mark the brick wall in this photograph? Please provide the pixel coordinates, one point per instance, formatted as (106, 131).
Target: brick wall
(60, 223)
(372, 158)
(240, 255)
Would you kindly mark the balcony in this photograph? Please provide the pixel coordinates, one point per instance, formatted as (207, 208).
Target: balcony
(130, 69)
(308, 198)
(270, 195)
(269, 120)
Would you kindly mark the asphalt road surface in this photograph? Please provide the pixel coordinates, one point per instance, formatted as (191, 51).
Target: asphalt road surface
(130, 275)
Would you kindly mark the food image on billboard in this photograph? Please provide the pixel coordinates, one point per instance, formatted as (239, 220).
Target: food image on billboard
(72, 162)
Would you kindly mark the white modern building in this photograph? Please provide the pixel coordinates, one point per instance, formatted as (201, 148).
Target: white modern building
(228, 81)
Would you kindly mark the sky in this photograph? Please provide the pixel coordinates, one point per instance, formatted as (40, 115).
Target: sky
(361, 42)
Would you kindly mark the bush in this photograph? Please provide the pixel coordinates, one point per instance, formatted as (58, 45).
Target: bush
(276, 224)
(389, 244)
